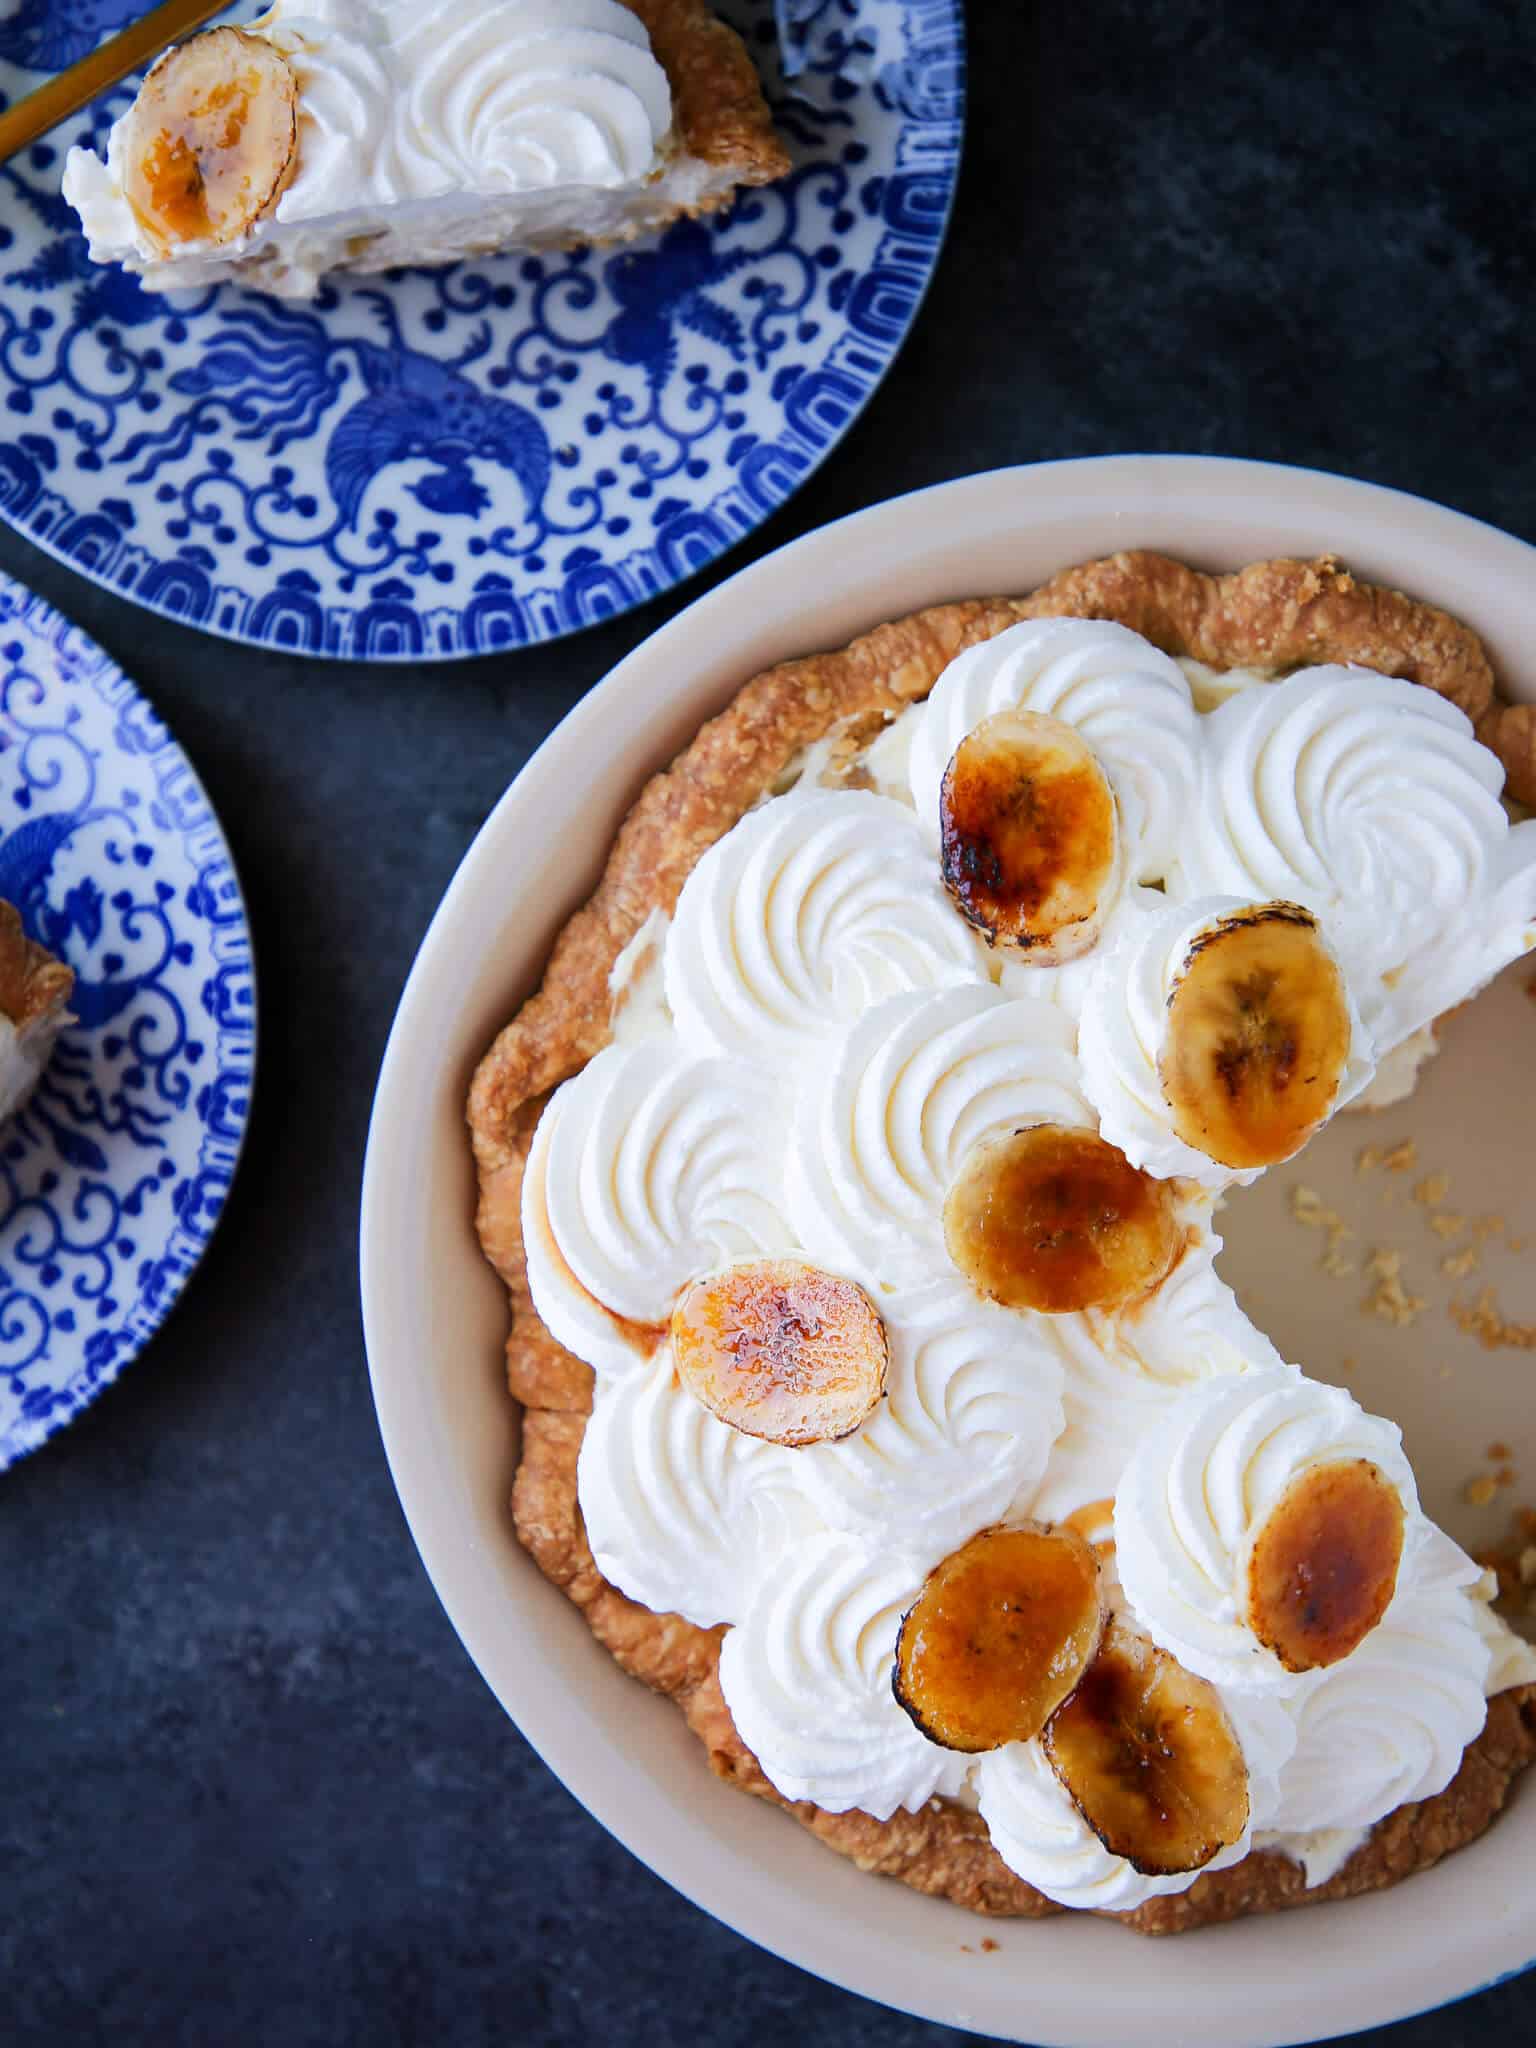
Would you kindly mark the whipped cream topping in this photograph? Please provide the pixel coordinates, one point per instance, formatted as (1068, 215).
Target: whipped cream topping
(1122, 1373)
(637, 997)
(913, 1086)
(431, 126)
(972, 1408)
(1068, 984)
(1123, 1034)
(1389, 1723)
(409, 99)
(807, 1676)
(1368, 800)
(682, 1512)
(810, 912)
(661, 1165)
(1039, 1832)
(572, 1316)
(1405, 1704)
(1129, 701)
(1200, 1485)
(803, 1060)
(24, 1053)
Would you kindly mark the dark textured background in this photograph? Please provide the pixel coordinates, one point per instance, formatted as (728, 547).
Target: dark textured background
(253, 1789)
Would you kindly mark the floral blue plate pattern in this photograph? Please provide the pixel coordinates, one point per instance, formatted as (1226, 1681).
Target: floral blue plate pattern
(443, 463)
(113, 1176)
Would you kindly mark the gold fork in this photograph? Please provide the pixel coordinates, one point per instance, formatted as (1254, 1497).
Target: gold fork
(85, 81)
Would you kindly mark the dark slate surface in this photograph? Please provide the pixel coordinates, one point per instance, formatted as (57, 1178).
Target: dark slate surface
(253, 1790)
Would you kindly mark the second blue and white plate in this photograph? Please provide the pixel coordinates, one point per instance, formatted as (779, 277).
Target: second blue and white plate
(114, 1174)
(443, 463)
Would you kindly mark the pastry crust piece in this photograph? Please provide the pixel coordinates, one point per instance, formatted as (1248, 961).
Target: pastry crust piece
(717, 102)
(33, 984)
(1277, 614)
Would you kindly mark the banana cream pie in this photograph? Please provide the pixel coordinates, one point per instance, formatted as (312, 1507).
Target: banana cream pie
(854, 1176)
(364, 134)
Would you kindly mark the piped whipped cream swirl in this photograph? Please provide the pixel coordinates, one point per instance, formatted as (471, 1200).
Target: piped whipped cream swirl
(1202, 1483)
(1123, 1033)
(1129, 701)
(807, 1676)
(1389, 1724)
(804, 916)
(1368, 800)
(660, 1166)
(682, 1512)
(915, 1084)
(573, 1316)
(1122, 1374)
(972, 1408)
(410, 99)
(1038, 1831)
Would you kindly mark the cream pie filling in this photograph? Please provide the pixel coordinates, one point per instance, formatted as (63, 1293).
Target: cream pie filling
(973, 1405)
(805, 1058)
(1122, 1373)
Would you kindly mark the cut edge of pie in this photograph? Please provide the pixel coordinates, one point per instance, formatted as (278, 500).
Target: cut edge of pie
(1275, 615)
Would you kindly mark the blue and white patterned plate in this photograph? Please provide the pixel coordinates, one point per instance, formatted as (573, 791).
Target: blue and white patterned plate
(113, 1176)
(447, 462)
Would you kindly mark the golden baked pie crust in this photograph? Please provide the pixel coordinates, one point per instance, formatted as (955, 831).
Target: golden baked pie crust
(718, 109)
(1279, 614)
(33, 984)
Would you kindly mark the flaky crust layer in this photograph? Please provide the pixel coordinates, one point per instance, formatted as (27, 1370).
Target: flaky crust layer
(33, 984)
(717, 103)
(1272, 614)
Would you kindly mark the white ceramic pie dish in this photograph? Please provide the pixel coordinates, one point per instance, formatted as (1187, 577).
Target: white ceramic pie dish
(436, 1317)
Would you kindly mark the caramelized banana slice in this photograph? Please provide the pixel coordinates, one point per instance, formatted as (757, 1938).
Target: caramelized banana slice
(1323, 1566)
(781, 1350)
(1258, 1036)
(1057, 1219)
(1029, 839)
(1150, 1759)
(1000, 1634)
(211, 140)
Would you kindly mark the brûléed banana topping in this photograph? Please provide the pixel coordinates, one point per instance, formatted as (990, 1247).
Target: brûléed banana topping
(886, 1223)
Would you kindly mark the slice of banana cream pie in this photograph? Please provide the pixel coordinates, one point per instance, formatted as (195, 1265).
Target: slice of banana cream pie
(855, 1175)
(362, 135)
